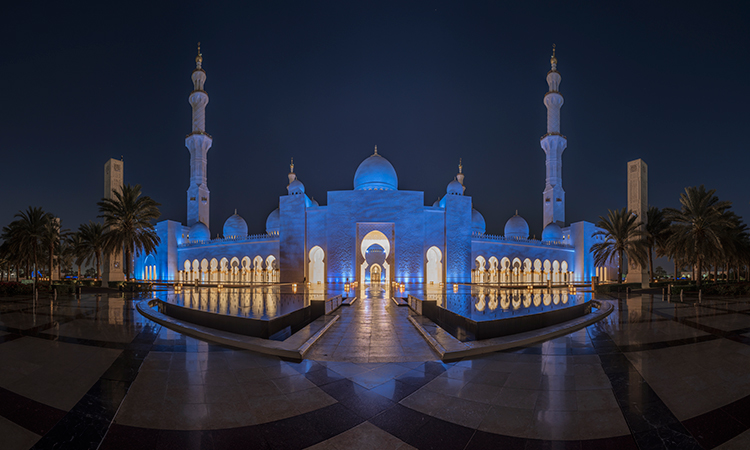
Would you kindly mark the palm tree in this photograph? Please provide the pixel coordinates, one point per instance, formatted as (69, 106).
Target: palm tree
(51, 240)
(29, 232)
(73, 244)
(657, 233)
(622, 237)
(10, 249)
(697, 226)
(128, 219)
(90, 244)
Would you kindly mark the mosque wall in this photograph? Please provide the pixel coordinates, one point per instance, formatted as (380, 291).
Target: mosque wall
(404, 209)
(316, 236)
(165, 258)
(292, 229)
(457, 239)
(580, 233)
(434, 230)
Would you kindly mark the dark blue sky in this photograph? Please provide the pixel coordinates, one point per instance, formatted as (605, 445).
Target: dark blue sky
(324, 82)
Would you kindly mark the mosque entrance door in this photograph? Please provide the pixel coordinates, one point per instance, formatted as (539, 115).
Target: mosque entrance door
(375, 274)
(375, 249)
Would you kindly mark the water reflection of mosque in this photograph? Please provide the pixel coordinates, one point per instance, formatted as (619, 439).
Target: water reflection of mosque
(265, 302)
(493, 303)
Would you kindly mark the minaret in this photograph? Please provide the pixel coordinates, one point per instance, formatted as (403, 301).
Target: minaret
(198, 142)
(553, 144)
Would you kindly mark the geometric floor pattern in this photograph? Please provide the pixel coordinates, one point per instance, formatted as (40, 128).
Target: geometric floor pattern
(92, 373)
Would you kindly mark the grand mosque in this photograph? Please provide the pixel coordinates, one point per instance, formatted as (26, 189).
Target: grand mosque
(375, 232)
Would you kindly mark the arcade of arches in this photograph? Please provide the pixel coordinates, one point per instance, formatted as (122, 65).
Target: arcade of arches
(234, 270)
(515, 271)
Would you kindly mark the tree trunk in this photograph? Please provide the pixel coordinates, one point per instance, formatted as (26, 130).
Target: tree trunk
(127, 263)
(619, 266)
(699, 269)
(650, 264)
(675, 268)
(51, 263)
(98, 264)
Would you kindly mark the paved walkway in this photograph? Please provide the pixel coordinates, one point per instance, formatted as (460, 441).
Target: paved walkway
(373, 329)
(91, 372)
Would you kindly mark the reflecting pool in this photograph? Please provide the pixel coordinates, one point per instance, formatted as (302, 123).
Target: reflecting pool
(263, 303)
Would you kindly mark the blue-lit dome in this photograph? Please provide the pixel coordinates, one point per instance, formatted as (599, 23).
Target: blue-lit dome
(199, 232)
(477, 222)
(552, 232)
(375, 173)
(296, 187)
(272, 223)
(235, 226)
(516, 227)
(455, 188)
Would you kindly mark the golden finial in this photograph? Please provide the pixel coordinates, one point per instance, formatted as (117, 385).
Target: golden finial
(199, 58)
(291, 166)
(376, 149)
(460, 166)
(553, 60)
(235, 211)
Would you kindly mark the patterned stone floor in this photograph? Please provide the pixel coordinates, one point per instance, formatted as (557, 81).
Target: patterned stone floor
(374, 329)
(93, 373)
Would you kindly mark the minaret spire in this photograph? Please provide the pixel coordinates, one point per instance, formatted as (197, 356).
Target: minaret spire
(460, 176)
(376, 150)
(553, 143)
(198, 142)
(292, 176)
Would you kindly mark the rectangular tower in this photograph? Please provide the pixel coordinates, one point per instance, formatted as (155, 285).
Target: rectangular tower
(112, 264)
(638, 204)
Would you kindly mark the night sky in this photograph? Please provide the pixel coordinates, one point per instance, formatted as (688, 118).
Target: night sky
(324, 82)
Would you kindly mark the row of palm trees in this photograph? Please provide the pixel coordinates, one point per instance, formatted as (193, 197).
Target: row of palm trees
(703, 233)
(37, 236)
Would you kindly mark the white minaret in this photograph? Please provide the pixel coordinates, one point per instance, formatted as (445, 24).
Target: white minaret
(553, 144)
(198, 142)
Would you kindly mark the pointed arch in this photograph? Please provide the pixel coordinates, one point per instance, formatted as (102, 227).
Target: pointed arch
(434, 266)
(317, 268)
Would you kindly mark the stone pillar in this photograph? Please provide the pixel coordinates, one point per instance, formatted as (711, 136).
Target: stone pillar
(112, 263)
(638, 205)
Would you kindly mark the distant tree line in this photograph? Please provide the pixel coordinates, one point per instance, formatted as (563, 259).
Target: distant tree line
(35, 240)
(703, 233)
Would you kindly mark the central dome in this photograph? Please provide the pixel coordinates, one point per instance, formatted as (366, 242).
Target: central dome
(375, 173)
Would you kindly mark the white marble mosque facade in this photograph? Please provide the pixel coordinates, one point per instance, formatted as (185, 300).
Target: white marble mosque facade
(374, 231)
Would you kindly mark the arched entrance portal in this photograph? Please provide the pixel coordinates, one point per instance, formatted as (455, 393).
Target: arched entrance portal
(317, 266)
(375, 249)
(434, 266)
(375, 274)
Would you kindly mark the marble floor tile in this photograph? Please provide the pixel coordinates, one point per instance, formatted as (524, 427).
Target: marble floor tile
(365, 436)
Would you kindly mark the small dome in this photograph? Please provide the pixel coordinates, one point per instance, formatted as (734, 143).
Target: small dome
(314, 202)
(272, 223)
(552, 232)
(235, 226)
(516, 227)
(375, 173)
(437, 203)
(477, 222)
(199, 232)
(455, 188)
(296, 187)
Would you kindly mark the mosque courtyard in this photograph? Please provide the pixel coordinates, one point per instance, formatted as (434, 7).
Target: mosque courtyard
(92, 372)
